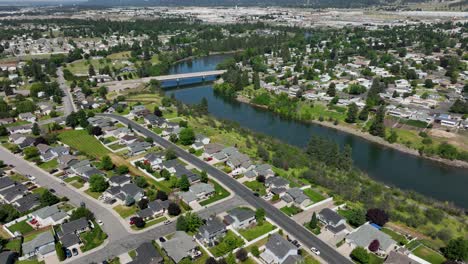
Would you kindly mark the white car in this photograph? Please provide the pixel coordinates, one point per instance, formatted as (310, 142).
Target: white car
(100, 222)
(316, 251)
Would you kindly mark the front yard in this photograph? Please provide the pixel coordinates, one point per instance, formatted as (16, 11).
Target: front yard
(291, 210)
(227, 244)
(49, 165)
(425, 253)
(125, 211)
(256, 186)
(252, 233)
(93, 238)
(220, 193)
(150, 223)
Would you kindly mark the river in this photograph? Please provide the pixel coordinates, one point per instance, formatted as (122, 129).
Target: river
(387, 165)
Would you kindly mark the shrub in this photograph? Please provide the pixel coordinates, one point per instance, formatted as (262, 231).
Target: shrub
(360, 255)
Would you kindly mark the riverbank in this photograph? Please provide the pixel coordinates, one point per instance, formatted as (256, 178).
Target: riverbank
(368, 137)
(211, 54)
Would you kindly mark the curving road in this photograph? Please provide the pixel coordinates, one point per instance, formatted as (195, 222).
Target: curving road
(286, 223)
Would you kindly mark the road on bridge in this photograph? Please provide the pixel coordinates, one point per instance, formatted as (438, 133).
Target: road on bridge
(297, 231)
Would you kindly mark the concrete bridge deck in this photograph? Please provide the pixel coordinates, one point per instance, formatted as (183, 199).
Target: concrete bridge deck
(133, 83)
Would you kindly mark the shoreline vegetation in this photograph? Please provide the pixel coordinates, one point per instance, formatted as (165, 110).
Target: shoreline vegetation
(366, 136)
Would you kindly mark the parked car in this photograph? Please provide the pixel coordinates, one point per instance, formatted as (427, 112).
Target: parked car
(315, 251)
(167, 222)
(52, 190)
(99, 221)
(68, 253)
(75, 251)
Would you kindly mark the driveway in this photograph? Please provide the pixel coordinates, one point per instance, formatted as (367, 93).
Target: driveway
(306, 215)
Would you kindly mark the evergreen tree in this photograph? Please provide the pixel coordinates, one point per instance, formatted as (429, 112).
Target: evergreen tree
(313, 221)
(331, 90)
(352, 114)
(36, 130)
(377, 127)
(91, 71)
(256, 81)
(184, 183)
(364, 114)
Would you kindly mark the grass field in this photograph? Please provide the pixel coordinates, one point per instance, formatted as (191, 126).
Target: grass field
(220, 193)
(23, 227)
(82, 141)
(257, 231)
(93, 238)
(313, 195)
(125, 211)
(428, 254)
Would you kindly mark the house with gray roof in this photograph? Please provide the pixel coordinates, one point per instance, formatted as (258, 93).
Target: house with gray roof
(65, 161)
(155, 208)
(297, 197)
(27, 202)
(197, 192)
(138, 147)
(211, 231)
(23, 129)
(69, 232)
(5, 183)
(365, 234)
(42, 245)
(240, 218)
(119, 180)
(8, 257)
(27, 142)
(180, 246)
(146, 253)
(121, 193)
(181, 170)
(49, 215)
(332, 220)
(395, 257)
(277, 250)
(211, 149)
(276, 182)
(155, 159)
(13, 193)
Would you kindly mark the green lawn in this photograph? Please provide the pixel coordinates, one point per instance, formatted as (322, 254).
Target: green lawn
(13, 245)
(227, 244)
(252, 233)
(116, 146)
(397, 237)
(291, 210)
(49, 165)
(95, 195)
(220, 193)
(93, 238)
(23, 227)
(30, 261)
(313, 195)
(428, 255)
(82, 141)
(373, 259)
(256, 186)
(151, 223)
(39, 190)
(125, 211)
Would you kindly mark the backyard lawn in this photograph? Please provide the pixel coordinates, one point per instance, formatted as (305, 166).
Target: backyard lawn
(252, 233)
(256, 186)
(313, 195)
(428, 254)
(93, 238)
(291, 210)
(125, 211)
(220, 193)
(82, 141)
(23, 227)
(14, 245)
(397, 237)
(227, 244)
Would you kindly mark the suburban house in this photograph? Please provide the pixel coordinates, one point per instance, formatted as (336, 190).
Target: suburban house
(24, 129)
(395, 257)
(127, 190)
(65, 161)
(276, 182)
(297, 197)
(49, 215)
(27, 202)
(180, 246)
(278, 250)
(41, 246)
(69, 232)
(27, 142)
(154, 159)
(13, 193)
(27, 117)
(84, 169)
(146, 253)
(365, 234)
(119, 180)
(155, 208)
(211, 149)
(211, 231)
(176, 168)
(332, 220)
(240, 218)
(197, 192)
(5, 183)
(138, 147)
(8, 257)
(16, 138)
(48, 153)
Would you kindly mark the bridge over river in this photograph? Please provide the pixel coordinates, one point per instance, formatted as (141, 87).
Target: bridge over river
(134, 83)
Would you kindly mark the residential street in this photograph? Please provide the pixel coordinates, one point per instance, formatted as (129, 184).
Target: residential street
(68, 105)
(289, 225)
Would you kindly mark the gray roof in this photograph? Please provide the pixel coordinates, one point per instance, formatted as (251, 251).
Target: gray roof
(365, 234)
(297, 195)
(330, 216)
(75, 225)
(188, 197)
(47, 211)
(293, 259)
(70, 240)
(279, 246)
(170, 163)
(27, 202)
(119, 179)
(399, 258)
(178, 246)
(14, 191)
(146, 254)
(131, 189)
(5, 182)
(212, 226)
(336, 230)
(154, 155)
(8, 257)
(213, 148)
(181, 170)
(276, 181)
(202, 188)
(242, 214)
(39, 241)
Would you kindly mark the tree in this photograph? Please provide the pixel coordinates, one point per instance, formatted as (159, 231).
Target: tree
(377, 127)
(428, 83)
(82, 212)
(261, 178)
(204, 177)
(211, 260)
(106, 163)
(377, 216)
(122, 169)
(141, 182)
(161, 195)
(242, 254)
(165, 174)
(184, 183)
(94, 130)
(356, 217)
(60, 252)
(48, 198)
(263, 153)
(187, 136)
(360, 255)
(393, 137)
(260, 215)
(313, 221)
(97, 183)
(456, 249)
(364, 114)
(173, 209)
(170, 154)
(36, 130)
(138, 222)
(181, 224)
(91, 71)
(255, 251)
(103, 91)
(374, 245)
(30, 152)
(157, 111)
(256, 81)
(331, 91)
(142, 204)
(3, 131)
(352, 114)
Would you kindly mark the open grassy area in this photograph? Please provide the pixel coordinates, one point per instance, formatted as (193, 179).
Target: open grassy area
(23, 227)
(397, 237)
(125, 211)
(291, 210)
(428, 255)
(252, 233)
(220, 193)
(313, 195)
(228, 243)
(151, 223)
(93, 238)
(256, 186)
(82, 141)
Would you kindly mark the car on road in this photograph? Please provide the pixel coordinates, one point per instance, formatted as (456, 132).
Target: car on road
(51, 190)
(256, 194)
(315, 251)
(99, 221)
(75, 251)
(296, 243)
(68, 253)
(167, 222)
(162, 239)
